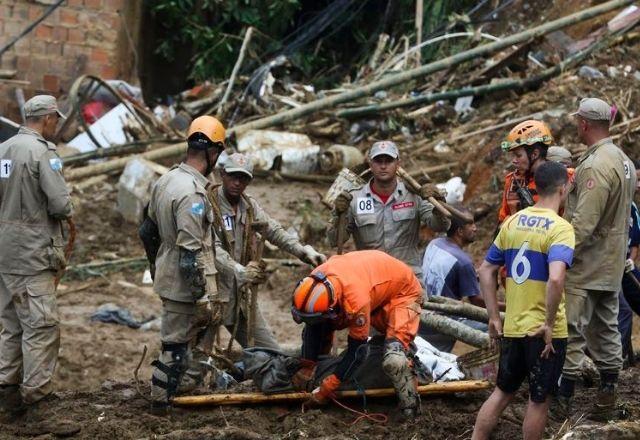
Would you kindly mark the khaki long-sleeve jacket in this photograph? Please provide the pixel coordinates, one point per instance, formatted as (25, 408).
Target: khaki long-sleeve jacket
(33, 200)
(183, 213)
(392, 227)
(599, 208)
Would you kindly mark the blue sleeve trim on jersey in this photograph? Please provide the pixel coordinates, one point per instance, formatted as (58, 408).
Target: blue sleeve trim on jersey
(495, 255)
(560, 252)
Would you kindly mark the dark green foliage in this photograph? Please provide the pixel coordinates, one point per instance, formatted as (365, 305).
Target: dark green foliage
(210, 31)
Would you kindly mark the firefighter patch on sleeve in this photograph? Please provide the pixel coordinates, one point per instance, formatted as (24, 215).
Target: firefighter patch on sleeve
(360, 320)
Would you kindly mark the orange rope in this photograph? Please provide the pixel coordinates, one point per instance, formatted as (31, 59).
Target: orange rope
(374, 417)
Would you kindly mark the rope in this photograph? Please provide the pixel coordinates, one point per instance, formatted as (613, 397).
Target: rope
(362, 415)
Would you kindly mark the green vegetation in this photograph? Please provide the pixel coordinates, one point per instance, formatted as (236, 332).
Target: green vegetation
(211, 32)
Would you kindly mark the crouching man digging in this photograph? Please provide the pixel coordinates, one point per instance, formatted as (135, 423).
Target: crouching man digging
(536, 246)
(357, 291)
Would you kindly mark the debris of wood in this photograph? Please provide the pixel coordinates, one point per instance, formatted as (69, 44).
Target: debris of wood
(451, 327)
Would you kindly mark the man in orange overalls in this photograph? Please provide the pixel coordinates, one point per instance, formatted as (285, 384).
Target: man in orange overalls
(357, 291)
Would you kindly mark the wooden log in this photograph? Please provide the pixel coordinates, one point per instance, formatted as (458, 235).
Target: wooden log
(458, 308)
(234, 72)
(259, 398)
(388, 82)
(451, 327)
(511, 84)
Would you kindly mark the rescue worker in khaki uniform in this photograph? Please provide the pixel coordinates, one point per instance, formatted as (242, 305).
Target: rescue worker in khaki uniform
(357, 291)
(34, 199)
(384, 215)
(178, 239)
(237, 212)
(598, 208)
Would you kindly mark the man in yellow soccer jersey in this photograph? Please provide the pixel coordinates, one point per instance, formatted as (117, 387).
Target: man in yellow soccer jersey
(536, 246)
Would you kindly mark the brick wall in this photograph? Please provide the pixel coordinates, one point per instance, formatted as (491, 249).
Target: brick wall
(79, 37)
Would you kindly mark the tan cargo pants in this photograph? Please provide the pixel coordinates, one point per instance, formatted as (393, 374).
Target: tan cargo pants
(30, 336)
(592, 317)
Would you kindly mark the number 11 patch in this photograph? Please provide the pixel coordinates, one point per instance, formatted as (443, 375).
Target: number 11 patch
(5, 168)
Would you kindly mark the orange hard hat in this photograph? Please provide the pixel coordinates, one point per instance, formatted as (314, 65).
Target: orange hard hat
(528, 133)
(313, 299)
(208, 126)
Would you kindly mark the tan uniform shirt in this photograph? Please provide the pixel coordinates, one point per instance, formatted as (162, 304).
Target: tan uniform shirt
(234, 223)
(392, 227)
(33, 200)
(181, 209)
(599, 209)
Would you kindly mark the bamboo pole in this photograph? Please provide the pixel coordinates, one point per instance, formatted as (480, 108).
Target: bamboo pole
(451, 327)
(382, 84)
(258, 398)
(234, 72)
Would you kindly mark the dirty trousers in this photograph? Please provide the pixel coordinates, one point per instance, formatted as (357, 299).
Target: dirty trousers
(30, 335)
(592, 317)
(187, 333)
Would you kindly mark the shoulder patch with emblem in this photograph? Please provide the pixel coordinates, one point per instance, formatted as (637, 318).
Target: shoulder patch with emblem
(197, 208)
(55, 163)
(360, 320)
(591, 183)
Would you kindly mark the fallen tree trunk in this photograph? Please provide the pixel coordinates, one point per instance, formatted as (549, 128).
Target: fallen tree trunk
(391, 81)
(258, 398)
(465, 310)
(451, 327)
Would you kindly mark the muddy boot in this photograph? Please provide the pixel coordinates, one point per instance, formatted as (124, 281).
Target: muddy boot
(604, 409)
(10, 398)
(167, 375)
(42, 419)
(396, 366)
(561, 406)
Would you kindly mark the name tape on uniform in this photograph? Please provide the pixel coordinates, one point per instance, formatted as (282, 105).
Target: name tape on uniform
(228, 222)
(197, 208)
(364, 205)
(402, 205)
(55, 163)
(5, 168)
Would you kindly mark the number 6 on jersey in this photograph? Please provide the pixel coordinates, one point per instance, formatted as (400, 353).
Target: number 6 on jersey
(521, 266)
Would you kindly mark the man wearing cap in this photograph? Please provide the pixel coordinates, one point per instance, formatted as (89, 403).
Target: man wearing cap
(34, 200)
(598, 207)
(560, 154)
(237, 216)
(384, 215)
(177, 235)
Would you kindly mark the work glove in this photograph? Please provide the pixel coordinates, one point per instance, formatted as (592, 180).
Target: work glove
(310, 256)
(430, 190)
(302, 380)
(629, 265)
(342, 202)
(252, 273)
(324, 393)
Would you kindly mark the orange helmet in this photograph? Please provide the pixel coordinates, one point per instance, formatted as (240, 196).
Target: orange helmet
(313, 299)
(210, 127)
(527, 133)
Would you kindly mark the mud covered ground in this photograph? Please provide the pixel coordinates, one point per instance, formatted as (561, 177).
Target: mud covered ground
(97, 360)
